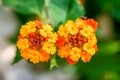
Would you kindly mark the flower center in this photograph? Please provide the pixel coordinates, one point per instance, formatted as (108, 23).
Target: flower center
(77, 40)
(36, 40)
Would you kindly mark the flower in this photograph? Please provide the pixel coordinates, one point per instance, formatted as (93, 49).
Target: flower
(63, 52)
(20, 37)
(28, 28)
(71, 62)
(46, 30)
(87, 31)
(85, 57)
(92, 23)
(63, 31)
(49, 48)
(75, 54)
(22, 44)
(72, 29)
(80, 23)
(53, 37)
(44, 56)
(89, 48)
(77, 40)
(34, 56)
(37, 42)
(39, 24)
(60, 42)
(92, 39)
(31, 26)
(25, 53)
(24, 30)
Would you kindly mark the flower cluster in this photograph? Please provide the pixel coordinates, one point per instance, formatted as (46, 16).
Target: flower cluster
(77, 40)
(37, 42)
(73, 41)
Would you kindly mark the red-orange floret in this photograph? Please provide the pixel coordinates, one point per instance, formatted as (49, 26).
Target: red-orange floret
(71, 62)
(44, 56)
(92, 23)
(60, 42)
(20, 37)
(85, 57)
(39, 24)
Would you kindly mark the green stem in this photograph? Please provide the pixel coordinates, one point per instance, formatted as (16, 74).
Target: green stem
(53, 62)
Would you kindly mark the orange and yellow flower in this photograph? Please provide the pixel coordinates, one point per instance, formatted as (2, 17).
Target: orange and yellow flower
(89, 48)
(34, 56)
(73, 41)
(37, 42)
(49, 48)
(85, 57)
(60, 42)
(75, 54)
(64, 52)
(63, 31)
(46, 30)
(23, 43)
(44, 56)
(71, 28)
(77, 40)
(86, 31)
(53, 37)
(28, 28)
(92, 23)
(25, 53)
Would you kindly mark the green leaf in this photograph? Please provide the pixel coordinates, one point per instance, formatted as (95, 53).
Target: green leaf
(76, 11)
(62, 10)
(58, 10)
(57, 26)
(17, 57)
(26, 6)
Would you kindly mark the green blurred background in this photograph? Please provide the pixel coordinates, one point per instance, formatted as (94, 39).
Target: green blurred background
(105, 64)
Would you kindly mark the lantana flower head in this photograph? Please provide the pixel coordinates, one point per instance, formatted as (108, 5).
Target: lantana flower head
(37, 41)
(77, 40)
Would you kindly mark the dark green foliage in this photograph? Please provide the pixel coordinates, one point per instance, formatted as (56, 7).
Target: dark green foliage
(17, 57)
(26, 6)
